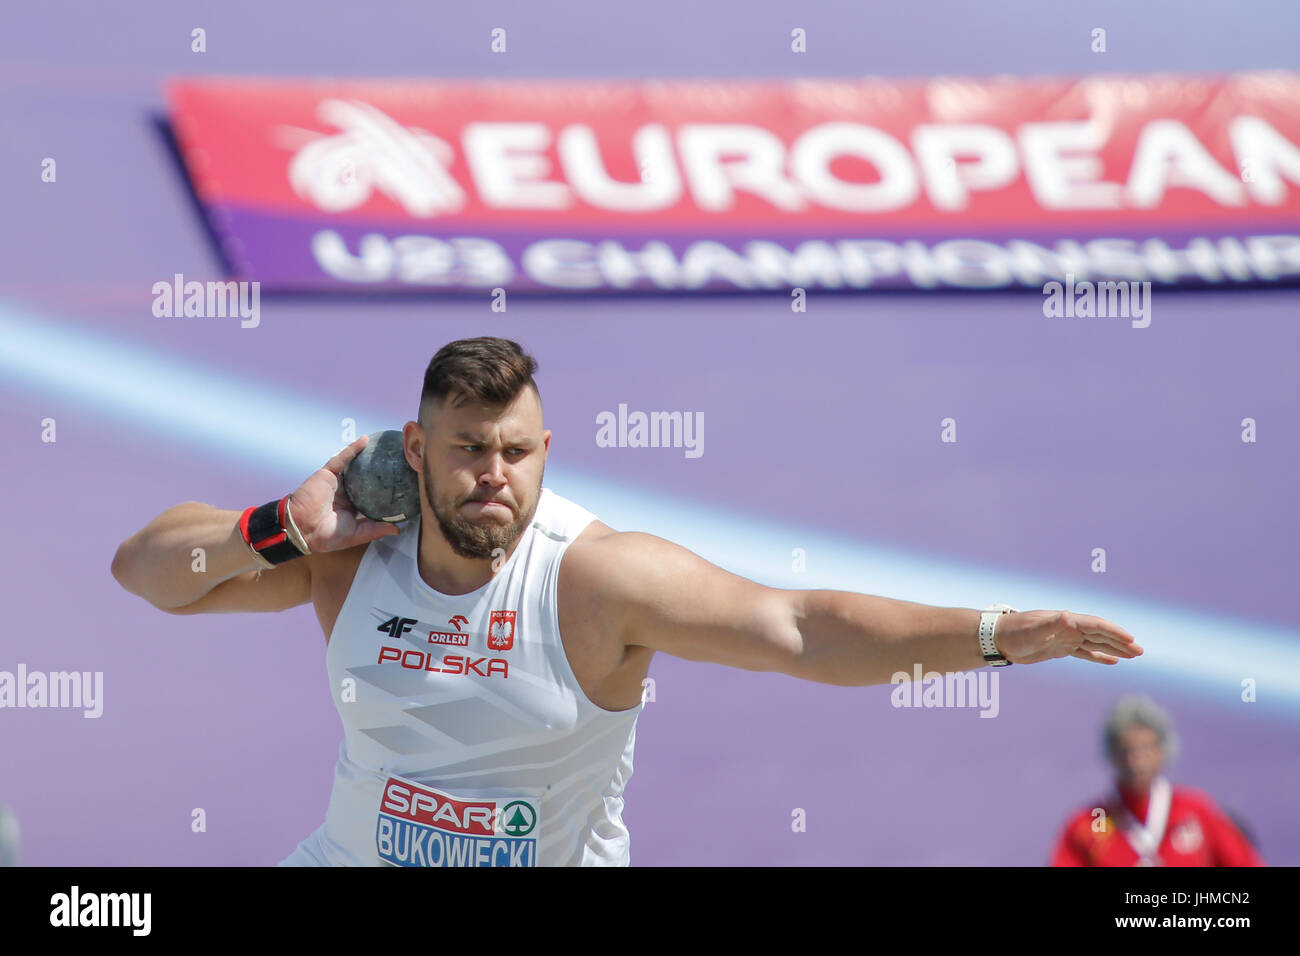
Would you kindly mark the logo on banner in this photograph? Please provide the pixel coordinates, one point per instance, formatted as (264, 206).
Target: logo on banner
(501, 630)
(374, 153)
(422, 826)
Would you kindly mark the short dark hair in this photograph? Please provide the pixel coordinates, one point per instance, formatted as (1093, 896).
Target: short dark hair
(487, 369)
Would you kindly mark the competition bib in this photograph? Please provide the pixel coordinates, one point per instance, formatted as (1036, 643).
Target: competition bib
(421, 826)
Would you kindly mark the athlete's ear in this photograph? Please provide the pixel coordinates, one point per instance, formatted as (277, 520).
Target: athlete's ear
(546, 440)
(413, 445)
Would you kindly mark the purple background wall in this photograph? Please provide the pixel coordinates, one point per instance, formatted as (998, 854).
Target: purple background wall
(1072, 436)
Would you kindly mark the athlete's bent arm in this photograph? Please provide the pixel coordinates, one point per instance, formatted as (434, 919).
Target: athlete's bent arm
(660, 595)
(159, 562)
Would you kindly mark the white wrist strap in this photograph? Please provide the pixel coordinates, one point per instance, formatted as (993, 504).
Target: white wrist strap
(988, 630)
(292, 531)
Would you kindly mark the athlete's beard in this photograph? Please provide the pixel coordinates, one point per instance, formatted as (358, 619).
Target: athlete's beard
(471, 539)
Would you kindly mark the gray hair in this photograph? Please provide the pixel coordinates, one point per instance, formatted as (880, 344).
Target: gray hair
(1135, 710)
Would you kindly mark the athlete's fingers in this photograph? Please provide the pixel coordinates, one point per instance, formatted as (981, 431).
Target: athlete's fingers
(340, 461)
(370, 530)
(342, 502)
(1101, 647)
(1109, 646)
(1095, 656)
(1099, 627)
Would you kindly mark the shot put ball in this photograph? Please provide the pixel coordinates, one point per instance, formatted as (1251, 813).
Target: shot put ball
(379, 482)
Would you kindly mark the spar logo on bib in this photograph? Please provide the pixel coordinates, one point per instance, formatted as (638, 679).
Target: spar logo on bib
(421, 826)
(501, 630)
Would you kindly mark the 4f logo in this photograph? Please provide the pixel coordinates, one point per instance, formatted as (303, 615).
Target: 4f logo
(396, 626)
(501, 630)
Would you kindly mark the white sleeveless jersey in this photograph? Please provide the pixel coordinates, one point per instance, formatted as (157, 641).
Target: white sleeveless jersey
(467, 740)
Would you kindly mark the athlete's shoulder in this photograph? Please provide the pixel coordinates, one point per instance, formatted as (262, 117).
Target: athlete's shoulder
(562, 519)
(330, 567)
(572, 528)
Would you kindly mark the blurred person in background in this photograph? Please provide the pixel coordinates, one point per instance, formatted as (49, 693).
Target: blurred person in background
(1147, 821)
(8, 836)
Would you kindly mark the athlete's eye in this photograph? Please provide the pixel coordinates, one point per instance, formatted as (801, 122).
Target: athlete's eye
(474, 449)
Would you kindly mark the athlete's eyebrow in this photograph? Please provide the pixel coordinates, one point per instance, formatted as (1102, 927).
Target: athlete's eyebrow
(479, 440)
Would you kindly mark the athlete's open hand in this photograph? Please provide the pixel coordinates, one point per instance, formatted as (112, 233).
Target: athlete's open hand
(1026, 637)
(324, 515)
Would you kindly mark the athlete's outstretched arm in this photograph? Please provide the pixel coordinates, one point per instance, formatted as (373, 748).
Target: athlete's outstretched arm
(660, 595)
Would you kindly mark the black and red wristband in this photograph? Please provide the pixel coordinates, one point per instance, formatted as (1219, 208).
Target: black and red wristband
(266, 531)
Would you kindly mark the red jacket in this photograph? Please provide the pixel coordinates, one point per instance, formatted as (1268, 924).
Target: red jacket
(1197, 833)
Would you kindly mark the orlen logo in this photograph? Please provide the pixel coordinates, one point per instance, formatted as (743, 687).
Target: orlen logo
(501, 630)
(456, 638)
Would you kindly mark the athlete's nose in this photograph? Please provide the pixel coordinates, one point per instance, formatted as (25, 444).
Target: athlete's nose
(494, 473)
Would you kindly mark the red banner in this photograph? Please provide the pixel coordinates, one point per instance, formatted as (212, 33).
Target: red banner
(718, 184)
